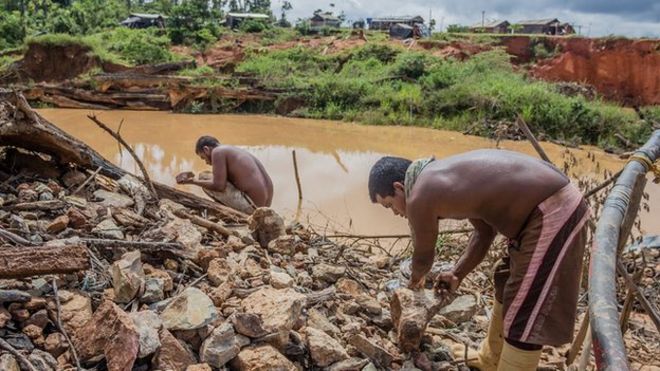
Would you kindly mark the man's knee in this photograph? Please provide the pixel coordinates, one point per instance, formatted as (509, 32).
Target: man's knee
(523, 346)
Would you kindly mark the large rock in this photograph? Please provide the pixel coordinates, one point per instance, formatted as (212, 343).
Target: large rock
(172, 355)
(222, 346)
(151, 272)
(127, 276)
(199, 367)
(319, 321)
(8, 363)
(76, 311)
(108, 229)
(279, 309)
(283, 245)
(351, 364)
(14, 296)
(324, 349)
(249, 324)
(55, 344)
(58, 224)
(262, 358)
(280, 280)
(219, 271)
(375, 352)
(42, 361)
(328, 273)
(148, 325)
(113, 199)
(154, 290)
(192, 309)
(462, 309)
(266, 225)
(411, 312)
(111, 333)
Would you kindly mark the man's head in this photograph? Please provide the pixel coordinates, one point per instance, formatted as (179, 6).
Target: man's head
(204, 147)
(386, 183)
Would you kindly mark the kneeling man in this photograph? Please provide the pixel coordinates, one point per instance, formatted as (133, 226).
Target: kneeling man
(528, 201)
(238, 179)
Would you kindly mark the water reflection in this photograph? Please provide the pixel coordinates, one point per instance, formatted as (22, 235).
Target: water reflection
(333, 158)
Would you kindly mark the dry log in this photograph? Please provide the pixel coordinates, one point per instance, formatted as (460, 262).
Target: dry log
(182, 213)
(39, 206)
(22, 127)
(26, 261)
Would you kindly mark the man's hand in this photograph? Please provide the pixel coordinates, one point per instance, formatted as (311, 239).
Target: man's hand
(447, 283)
(418, 284)
(185, 178)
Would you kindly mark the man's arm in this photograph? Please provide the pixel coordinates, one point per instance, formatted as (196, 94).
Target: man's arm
(477, 248)
(219, 181)
(424, 228)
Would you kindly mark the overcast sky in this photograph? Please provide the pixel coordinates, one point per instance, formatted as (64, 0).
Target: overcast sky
(634, 18)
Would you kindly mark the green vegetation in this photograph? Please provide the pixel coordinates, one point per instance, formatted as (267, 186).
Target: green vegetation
(380, 84)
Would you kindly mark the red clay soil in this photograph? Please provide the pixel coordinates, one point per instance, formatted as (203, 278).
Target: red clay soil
(456, 49)
(47, 62)
(627, 71)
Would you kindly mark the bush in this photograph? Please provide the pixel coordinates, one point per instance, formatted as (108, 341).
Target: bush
(12, 32)
(410, 65)
(382, 52)
(253, 26)
(138, 46)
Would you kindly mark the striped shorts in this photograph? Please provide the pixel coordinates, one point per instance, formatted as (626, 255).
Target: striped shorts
(539, 281)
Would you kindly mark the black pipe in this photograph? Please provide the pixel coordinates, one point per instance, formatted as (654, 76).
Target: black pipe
(608, 344)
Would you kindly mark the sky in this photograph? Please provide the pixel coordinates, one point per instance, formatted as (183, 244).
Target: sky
(632, 18)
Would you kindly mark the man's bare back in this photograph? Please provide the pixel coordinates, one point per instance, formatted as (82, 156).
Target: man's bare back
(231, 165)
(500, 188)
(246, 173)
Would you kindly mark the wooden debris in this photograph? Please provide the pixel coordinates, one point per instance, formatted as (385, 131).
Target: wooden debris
(26, 261)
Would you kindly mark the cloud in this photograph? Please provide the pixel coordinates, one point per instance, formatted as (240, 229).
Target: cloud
(633, 18)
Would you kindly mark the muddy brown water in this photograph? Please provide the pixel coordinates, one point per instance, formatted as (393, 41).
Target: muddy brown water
(334, 158)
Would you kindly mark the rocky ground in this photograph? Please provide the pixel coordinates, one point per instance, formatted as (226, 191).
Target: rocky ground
(96, 272)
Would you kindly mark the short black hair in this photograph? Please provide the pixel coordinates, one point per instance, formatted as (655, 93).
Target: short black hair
(384, 173)
(206, 141)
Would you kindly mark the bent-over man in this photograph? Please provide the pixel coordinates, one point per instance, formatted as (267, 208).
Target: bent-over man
(528, 201)
(238, 179)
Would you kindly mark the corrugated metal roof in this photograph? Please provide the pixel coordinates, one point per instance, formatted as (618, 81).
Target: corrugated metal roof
(147, 16)
(248, 15)
(402, 18)
(488, 24)
(538, 21)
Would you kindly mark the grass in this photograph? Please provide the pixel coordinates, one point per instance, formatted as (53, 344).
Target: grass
(381, 84)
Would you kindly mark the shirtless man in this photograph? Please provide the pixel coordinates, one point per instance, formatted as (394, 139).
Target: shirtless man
(238, 180)
(526, 200)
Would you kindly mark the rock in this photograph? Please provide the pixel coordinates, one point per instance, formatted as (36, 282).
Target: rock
(327, 273)
(113, 199)
(75, 312)
(172, 355)
(462, 309)
(148, 325)
(283, 245)
(262, 358)
(278, 309)
(76, 218)
(280, 280)
(317, 320)
(324, 349)
(18, 314)
(221, 346)
(43, 361)
(190, 310)
(266, 226)
(14, 296)
(110, 332)
(5, 316)
(19, 341)
(369, 305)
(199, 367)
(151, 272)
(411, 312)
(33, 331)
(127, 276)
(35, 304)
(154, 290)
(351, 364)
(46, 196)
(8, 363)
(376, 353)
(221, 293)
(58, 224)
(27, 195)
(108, 229)
(219, 271)
(249, 324)
(73, 178)
(370, 367)
(56, 344)
(380, 261)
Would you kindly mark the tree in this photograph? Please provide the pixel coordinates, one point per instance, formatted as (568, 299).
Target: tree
(515, 27)
(286, 6)
(432, 25)
(456, 28)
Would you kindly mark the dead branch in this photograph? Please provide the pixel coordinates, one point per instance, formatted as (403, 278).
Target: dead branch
(14, 237)
(528, 133)
(21, 358)
(182, 213)
(121, 140)
(27, 261)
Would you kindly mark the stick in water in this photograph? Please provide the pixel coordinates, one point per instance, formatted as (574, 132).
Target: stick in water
(528, 133)
(295, 169)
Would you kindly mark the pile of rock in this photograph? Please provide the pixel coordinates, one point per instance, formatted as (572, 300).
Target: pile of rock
(159, 292)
